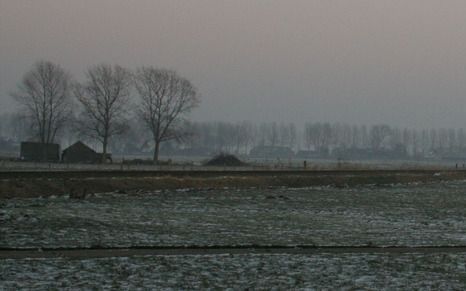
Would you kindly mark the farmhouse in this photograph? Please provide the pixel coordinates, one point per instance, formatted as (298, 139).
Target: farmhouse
(81, 153)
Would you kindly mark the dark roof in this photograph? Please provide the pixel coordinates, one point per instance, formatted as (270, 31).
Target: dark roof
(78, 146)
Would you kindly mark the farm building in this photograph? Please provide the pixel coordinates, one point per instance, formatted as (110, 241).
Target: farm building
(271, 152)
(39, 152)
(303, 154)
(81, 153)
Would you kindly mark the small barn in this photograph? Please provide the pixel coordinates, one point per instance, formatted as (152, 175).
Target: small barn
(39, 152)
(271, 152)
(81, 153)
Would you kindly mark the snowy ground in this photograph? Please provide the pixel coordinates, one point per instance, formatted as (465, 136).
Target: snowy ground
(263, 272)
(401, 215)
(414, 215)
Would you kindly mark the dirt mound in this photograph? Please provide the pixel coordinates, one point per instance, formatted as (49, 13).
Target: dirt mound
(225, 160)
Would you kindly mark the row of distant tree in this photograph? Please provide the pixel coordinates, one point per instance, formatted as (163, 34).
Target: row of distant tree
(204, 138)
(323, 138)
(100, 106)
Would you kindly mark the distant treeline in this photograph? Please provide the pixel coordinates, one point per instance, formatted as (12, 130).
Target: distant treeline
(326, 139)
(309, 140)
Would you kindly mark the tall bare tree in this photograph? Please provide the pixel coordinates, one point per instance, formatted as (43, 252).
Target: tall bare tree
(105, 100)
(44, 94)
(165, 98)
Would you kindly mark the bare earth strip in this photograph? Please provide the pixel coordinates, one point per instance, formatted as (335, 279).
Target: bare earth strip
(16, 184)
(217, 250)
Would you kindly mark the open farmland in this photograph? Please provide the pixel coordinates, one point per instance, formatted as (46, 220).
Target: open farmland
(398, 215)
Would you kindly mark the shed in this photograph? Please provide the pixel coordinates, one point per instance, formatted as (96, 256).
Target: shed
(39, 152)
(79, 153)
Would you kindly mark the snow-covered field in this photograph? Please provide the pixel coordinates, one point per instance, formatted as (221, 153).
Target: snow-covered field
(413, 215)
(399, 215)
(240, 272)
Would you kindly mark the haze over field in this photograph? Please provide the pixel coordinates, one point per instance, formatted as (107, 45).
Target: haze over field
(364, 62)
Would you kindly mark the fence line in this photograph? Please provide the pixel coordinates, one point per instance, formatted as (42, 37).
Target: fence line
(6, 165)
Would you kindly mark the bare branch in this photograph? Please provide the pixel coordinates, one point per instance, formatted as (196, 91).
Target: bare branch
(105, 100)
(165, 98)
(44, 94)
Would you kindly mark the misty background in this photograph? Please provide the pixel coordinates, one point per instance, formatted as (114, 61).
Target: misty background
(402, 63)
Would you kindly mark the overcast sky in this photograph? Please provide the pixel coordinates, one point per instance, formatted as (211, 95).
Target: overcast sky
(357, 61)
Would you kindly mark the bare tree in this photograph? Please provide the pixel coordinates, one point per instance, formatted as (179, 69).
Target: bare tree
(165, 98)
(105, 100)
(44, 94)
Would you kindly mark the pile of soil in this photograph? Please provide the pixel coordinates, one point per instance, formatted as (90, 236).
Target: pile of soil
(225, 160)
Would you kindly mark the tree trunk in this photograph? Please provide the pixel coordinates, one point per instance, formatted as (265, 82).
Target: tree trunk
(104, 151)
(44, 152)
(156, 152)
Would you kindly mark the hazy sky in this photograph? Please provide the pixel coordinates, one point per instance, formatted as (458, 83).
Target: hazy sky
(364, 62)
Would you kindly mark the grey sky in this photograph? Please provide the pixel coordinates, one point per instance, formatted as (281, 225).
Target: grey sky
(400, 62)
